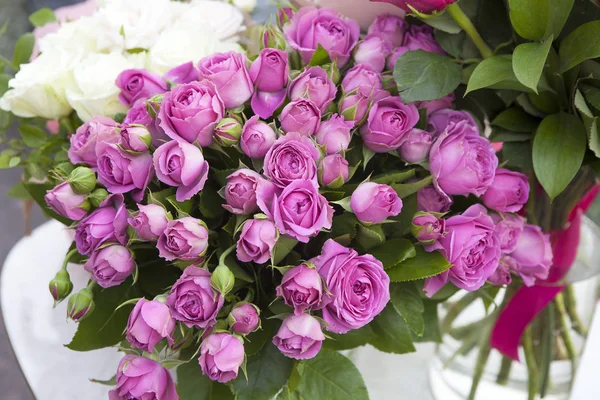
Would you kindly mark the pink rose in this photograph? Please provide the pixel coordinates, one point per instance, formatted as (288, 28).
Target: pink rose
(293, 157)
(448, 119)
(135, 138)
(430, 199)
(508, 229)
(139, 84)
(361, 75)
(257, 241)
(64, 201)
(395, 55)
(335, 134)
(138, 115)
(110, 265)
(373, 51)
(139, 377)
(417, 146)
(106, 224)
(333, 171)
(301, 288)
(150, 222)
(432, 106)
(221, 356)
(240, 192)
(373, 202)
(428, 228)
(83, 142)
(183, 239)
(508, 192)
(270, 72)
(244, 318)
(257, 138)
(302, 116)
(149, 323)
(532, 257)
(355, 105)
(420, 37)
(184, 73)
(300, 337)
(390, 28)
(501, 277)
(313, 84)
(229, 73)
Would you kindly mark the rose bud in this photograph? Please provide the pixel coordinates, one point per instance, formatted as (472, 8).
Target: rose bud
(532, 257)
(228, 131)
(240, 192)
(508, 192)
(313, 84)
(82, 180)
(508, 229)
(83, 142)
(292, 157)
(139, 377)
(335, 134)
(301, 288)
(80, 305)
(257, 138)
(302, 116)
(388, 125)
(221, 356)
(284, 15)
(110, 265)
(358, 287)
(361, 76)
(373, 51)
(501, 277)
(264, 104)
(135, 138)
(427, 228)
(244, 319)
(394, 56)
(430, 199)
(61, 286)
(416, 147)
(149, 323)
(257, 241)
(300, 337)
(372, 203)
(270, 72)
(390, 28)
(305, 32)
(222, 279)
(150, 222)
(441, 120)
(431, 106)
(106, 224)
(422, 6)
(462, 163)
(64, 201)
(420, 37)
(138, 84)
(138, 115)
(181, 165)
(229, 73)
(183, 239)
(184, 73)
(193, 301)
(191, 111)
(97, 197)
(273, 38)
(333, 171)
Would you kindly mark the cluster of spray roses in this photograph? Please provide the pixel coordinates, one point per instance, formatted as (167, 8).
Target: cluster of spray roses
(295, 122)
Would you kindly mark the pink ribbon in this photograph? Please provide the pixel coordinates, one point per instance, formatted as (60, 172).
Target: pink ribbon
(528, 302)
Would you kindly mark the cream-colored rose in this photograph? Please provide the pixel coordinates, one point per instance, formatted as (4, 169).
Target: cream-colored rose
(225, 20)
(245, 5)
(94, 92)
(76, 37)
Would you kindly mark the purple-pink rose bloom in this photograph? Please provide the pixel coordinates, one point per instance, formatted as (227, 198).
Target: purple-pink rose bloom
(430, 199)
(508, 192)
(313, 84)
(532, 257)
(149, 323)
(257, 241)
(240, 192)
(358, 287)
(135, 138)
(389, 27)
(257, 138)
(139, 84)
(221, 356)
(312, 26)
(299, 210)
(416, 147)
(334, 134)
(270, 72)
(333, 170)
(373, 51)
(508, 229)
(473, 249)
(150, 222)
(141, 378)
(301, 116)
(501, 277)
(110, 265)
(373, 202)
(394, 56)
(355, 105)
(64, 201)
(462, 163)
(244, 318)
(181, 165)
(388, 125)
(299, 337)
(420, 37)
(106, 224)
(422, 6)
(229, 73)
(361, 76)
(293, 157)
(138, 114)
(301, 288)
(83, 142)
(449, 119)
(193, 301)
(184, 73)
(427, 228)
(183, 239)
(432, 106)
(191, 111)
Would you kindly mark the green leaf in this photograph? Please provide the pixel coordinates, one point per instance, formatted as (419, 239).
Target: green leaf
(406, 299)
(443, 22)
(193, 385)
(108, 382)
(320, 57)
(558, 149)
(528, 62)
(282, 248)
(268, 372)
(18, 191)
(343, 228)
(4, 79)
(518, 155)
(591, 94)
(423, 265)
(582, 44)
(422, 75)
(370, 236)
(32, 135)
(432, 331)
(451, 43)
(23, 50)
(392, 332)
(42, 17)
(394, 177)
(393, 252)
(496, 73)
(539, 19)
(256, 340)
(352, 339)
(104, 327)
(183, 208)
(330, 376)
(210, 203)
(407, 189)
(590, 121)
(516, 120)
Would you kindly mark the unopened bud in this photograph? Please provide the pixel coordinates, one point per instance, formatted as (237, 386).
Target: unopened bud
(97, 197)
(82, 180)
(222, 279)
(61, 286)
(80, 305)
(228, 131)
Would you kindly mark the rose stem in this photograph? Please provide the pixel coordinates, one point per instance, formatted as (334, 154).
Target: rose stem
(532, 372)
(546, 347)
(564, 332)
(465, 23)
(571, 306)
(465, 348)
(456, 308)
(504, 373)
(482, 357)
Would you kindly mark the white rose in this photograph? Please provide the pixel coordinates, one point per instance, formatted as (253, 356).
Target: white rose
(77, 37)
(182, 43)
(94, 92)
(225, 20)
(39, 88)
(245, 5)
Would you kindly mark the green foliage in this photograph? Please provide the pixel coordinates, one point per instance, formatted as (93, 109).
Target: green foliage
(42, 17)
(320, 57)
(496, 73)
(539, 19)
(392, 333)
(406, 299)
(528, 62)
(423, 265)
(350, 340)
(23, 50)
(582, 44)
(393, 252)
(193, 385)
